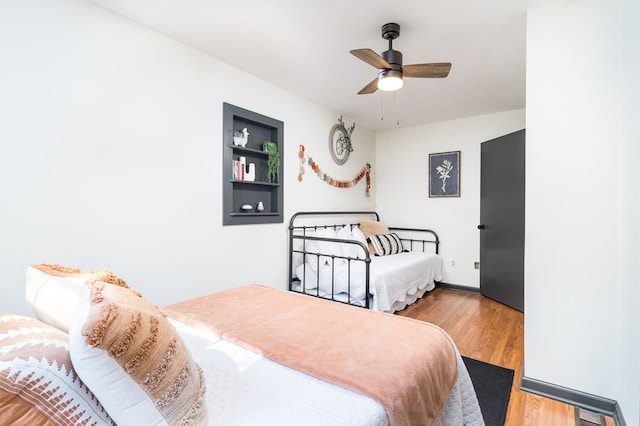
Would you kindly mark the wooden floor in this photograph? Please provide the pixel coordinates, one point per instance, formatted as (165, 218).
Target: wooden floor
(492, 332)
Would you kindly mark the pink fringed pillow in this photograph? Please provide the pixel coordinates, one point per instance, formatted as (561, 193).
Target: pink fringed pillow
(132, 358)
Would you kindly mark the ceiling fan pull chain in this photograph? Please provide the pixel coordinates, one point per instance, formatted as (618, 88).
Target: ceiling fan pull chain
(397, 108)
(381, 107)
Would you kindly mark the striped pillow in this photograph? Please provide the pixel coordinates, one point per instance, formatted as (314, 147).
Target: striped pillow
(133, 359)
(38, 384)
(372, 227)
(385, 244)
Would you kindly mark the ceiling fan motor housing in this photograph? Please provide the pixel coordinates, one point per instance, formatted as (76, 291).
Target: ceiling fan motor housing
(394, 58)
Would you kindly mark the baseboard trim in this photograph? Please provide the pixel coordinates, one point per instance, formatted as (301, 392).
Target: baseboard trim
(458, 287)
(584, 400)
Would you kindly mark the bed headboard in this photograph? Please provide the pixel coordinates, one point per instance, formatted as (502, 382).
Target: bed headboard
(335, 219)
(412, 237)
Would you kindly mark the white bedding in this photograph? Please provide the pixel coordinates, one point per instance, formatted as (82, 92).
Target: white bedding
(244, 388)
(395, 281)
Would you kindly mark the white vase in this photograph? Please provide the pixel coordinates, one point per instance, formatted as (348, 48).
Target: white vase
(250, 175)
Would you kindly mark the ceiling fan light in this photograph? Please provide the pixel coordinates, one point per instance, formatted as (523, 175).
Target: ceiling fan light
(390, 80)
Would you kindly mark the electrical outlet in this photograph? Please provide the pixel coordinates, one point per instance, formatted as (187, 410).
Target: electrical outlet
(453, 263)
(476, 265)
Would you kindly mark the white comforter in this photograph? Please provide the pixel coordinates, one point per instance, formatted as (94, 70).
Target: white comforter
(395, 281)
(243, 388)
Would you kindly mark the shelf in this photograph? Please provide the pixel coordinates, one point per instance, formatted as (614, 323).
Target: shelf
(249, 150)
(237, 193)
(253, 214)
(252, 182)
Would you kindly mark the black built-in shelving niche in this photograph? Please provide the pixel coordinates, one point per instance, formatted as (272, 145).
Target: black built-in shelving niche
(237, 193)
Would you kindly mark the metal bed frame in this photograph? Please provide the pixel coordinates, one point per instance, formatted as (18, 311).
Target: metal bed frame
(413, 239)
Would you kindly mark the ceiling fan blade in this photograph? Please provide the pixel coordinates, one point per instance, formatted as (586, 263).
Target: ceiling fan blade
(370, 57)
(434, 70)
(369, 88)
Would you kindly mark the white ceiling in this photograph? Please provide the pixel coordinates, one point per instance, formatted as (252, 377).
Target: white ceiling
(303, 46)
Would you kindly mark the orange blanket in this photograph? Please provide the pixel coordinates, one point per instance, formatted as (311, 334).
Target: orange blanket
(408, 366)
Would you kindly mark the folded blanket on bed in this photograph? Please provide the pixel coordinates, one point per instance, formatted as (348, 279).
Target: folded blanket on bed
(408, 366)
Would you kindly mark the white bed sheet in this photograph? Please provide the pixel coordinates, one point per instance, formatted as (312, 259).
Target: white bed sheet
(395, 281)
(342, 297)
(244, 388)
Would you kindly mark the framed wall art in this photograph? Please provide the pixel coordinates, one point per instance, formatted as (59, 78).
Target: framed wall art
(444, 174)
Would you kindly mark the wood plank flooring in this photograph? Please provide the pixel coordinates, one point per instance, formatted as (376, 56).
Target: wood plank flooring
(492, 332)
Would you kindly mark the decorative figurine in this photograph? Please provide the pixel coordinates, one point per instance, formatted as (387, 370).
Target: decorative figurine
(241, 138)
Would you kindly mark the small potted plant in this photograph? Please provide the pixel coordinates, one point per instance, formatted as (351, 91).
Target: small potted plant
(273, 161)
(241, 138)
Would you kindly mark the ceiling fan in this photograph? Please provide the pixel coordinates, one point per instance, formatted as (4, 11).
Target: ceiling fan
(390, 68)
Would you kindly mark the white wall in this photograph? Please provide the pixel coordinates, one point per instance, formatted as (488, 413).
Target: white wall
(403, 186)
(581, 264)
(112, 157)
(629, 210)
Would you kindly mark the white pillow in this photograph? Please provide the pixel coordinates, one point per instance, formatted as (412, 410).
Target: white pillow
(311, 246)
(358, 235)
(133, 360)
(53, 299)
(345, 234)
(52, 291)
(329, 247)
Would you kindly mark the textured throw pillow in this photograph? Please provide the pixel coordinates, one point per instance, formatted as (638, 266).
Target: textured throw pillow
(134, 361)
(38, 385)
(372, 227)
(385, 244)
(53, 291)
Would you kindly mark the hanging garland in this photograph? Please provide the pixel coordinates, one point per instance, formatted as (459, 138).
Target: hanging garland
(365, 171)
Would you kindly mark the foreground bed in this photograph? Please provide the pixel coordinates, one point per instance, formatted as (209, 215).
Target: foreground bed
(323, 363)
(246, 356)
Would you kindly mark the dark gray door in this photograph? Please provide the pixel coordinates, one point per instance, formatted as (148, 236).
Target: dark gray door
(501, 226)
